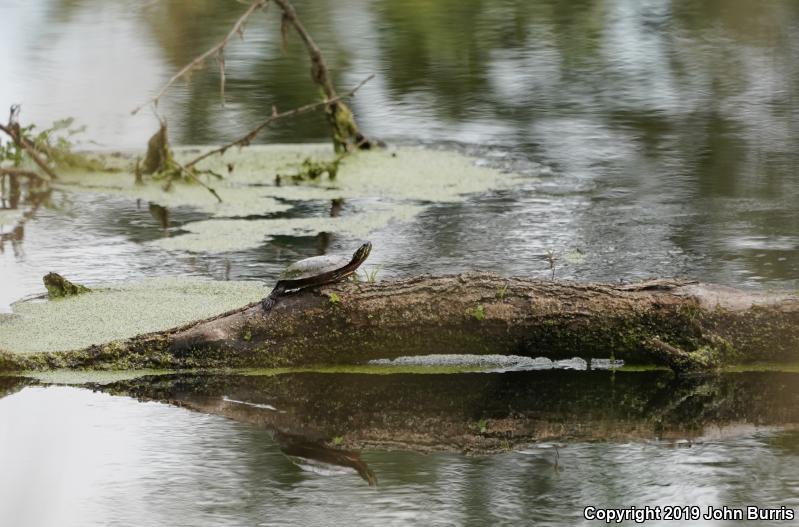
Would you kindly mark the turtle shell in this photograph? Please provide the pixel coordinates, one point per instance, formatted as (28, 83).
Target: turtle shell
(310, 267)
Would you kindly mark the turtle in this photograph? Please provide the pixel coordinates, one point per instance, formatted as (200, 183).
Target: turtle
(316, 271)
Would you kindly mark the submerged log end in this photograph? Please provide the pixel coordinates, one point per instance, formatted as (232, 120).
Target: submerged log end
(57, 286)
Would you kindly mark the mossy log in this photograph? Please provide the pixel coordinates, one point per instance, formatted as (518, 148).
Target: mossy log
(680, 324)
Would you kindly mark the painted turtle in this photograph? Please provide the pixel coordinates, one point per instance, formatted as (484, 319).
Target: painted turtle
(319, 270)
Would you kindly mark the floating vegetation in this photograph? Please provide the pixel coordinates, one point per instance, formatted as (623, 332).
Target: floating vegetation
(312, 170)
(400, 181)
(216, 236)
(119, 311)
(82, 377)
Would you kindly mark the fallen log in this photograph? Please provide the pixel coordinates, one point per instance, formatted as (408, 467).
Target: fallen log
(681, 324)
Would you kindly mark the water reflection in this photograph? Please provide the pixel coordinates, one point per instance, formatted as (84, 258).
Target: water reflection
(96, 459)
(24, 196)
(484, 412)
(318, 457)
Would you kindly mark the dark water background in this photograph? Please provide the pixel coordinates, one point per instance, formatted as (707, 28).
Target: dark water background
(661, 139)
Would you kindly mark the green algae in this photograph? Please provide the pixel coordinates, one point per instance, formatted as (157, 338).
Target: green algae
(366, 369)
(120, 311)
(791, 367)
(236, 201)
(100, 377)
(216, 236)
(629, 368)
(405, 173)
(397, 182)
(81, 377)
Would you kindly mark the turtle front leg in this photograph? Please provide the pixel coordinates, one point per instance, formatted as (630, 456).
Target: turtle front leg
(267, 302)
(271, 299)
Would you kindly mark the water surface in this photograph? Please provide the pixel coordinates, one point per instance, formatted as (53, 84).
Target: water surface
(660, 138)
(96, 458)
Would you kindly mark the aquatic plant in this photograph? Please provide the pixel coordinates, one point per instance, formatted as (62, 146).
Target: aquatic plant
(46, 148)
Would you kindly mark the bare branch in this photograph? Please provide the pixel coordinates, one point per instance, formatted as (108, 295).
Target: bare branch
(238, 28)
(190, 174)
(249, 136)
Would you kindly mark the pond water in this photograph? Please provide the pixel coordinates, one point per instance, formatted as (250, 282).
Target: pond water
(660, 138)
(653, 139)
(257, 450)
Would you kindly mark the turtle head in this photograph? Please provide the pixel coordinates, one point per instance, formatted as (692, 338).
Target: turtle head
(362, 253)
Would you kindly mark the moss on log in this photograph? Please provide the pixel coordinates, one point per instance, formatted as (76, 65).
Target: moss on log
(680, 324)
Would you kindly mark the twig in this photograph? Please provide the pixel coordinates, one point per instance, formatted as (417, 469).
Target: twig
(238, 28)
(12, 130)
(249, 136)
(192, 175)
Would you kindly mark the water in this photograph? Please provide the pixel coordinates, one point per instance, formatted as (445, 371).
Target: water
(660, 139)
(663, 135)
(128, 459)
